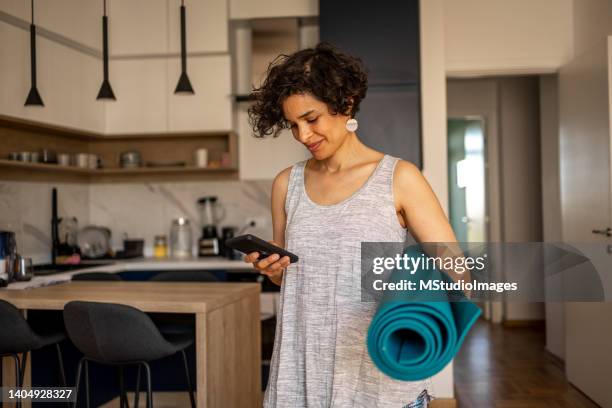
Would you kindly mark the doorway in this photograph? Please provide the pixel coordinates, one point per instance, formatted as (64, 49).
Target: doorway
(467, 178)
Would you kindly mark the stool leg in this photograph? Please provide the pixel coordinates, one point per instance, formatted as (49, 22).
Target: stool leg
(87, 382)
(137, 395)
(24, 360)
(123, 402)
(61, 365)
(78, 381)
(189, 386)
(149, 392)
(17, 377)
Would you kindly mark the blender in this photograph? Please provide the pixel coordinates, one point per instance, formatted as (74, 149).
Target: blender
(211, 214)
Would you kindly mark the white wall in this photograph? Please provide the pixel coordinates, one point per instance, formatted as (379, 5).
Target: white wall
(433, 111)
(493, 37)
(592, 23)
(551, 201)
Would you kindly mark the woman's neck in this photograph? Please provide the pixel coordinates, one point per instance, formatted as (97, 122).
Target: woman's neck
(351, 152)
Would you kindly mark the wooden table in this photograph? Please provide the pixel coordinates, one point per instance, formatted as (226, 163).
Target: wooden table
(228, 345)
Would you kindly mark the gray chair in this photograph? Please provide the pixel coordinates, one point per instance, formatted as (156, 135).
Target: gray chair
(120, 335)
(17, 336)
(96, 276)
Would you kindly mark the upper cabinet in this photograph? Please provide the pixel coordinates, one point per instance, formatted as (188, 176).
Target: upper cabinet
(144, 48)
(145, 27)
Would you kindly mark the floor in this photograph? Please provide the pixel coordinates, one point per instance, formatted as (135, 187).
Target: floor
(500, 367)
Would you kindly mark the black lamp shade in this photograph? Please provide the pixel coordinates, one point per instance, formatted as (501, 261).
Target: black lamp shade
(184, 84)
(33, 98)
(106, 90)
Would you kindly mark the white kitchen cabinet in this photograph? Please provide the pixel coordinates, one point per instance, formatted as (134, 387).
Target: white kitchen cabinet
(138, 27)
(67, 82)
(206, 26)
(141, 89)
(249, 9)
(209, 109)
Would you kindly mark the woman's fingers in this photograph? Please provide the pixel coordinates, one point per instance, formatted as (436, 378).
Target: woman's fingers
(252, 257)
(264, 263)
(276, 267)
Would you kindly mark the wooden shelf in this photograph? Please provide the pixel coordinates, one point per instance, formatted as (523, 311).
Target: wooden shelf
(21, 135)
(16, 170)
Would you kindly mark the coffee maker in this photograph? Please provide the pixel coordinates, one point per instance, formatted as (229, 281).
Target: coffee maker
(211, 214)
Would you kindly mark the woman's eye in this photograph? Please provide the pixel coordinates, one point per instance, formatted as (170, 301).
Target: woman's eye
(312, 120)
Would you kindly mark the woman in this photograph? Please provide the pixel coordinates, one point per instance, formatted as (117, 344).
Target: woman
(322, 209)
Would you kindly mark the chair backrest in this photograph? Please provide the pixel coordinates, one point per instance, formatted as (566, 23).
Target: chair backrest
(96, 276)
(113, 333)
(185, 276)
(16, 336)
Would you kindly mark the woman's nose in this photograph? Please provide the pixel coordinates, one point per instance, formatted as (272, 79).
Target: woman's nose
(303, 133)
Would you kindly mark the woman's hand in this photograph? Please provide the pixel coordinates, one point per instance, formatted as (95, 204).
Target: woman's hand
(272, 266)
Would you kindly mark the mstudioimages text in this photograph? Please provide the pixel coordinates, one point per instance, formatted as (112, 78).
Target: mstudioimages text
(440, 285)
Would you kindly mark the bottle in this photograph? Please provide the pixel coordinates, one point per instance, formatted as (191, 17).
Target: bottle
(160, 246)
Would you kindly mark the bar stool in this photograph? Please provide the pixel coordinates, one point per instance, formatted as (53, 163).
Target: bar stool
(120, 335)
(17, 336)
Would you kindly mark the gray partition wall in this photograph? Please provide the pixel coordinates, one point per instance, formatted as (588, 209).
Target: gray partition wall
(385, 35)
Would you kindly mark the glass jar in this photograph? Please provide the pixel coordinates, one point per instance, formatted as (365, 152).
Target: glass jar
(181, 238)
(160, 246)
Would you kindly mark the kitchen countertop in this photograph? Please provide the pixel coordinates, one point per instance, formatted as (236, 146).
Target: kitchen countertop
(136, 264)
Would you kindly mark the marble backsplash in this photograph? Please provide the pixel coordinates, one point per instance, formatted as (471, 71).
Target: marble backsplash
(138, 210)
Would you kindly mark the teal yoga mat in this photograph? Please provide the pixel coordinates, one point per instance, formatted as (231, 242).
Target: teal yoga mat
(411, 339)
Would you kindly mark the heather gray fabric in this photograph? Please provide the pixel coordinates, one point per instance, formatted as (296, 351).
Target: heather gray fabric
(320, 357)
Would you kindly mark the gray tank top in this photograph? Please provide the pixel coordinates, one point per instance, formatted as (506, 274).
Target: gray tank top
(320, 357)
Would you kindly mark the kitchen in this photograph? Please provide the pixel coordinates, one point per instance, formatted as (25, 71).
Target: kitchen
(126, 153)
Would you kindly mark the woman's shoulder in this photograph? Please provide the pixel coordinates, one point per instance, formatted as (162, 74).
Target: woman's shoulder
(406, 171)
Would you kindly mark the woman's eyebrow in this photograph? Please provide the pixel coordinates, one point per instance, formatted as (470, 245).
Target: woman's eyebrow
(306, 113)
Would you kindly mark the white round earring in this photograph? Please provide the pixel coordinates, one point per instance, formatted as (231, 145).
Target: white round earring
(352, 125)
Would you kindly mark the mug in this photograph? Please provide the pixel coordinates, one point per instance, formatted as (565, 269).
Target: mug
(21, 268)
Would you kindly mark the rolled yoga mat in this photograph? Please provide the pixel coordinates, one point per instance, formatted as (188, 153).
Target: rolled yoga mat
(411, 339)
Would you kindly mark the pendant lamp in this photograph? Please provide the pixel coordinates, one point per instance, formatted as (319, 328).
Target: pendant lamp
(33, 98)
(106, 90)
(184, 85)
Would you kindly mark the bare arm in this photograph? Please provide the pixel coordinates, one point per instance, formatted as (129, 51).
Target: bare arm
(422, 213)
(272, 266)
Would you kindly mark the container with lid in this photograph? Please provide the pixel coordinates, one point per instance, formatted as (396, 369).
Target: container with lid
(181, 238)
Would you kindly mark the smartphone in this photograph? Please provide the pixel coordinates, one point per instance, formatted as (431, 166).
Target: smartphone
(250, 243)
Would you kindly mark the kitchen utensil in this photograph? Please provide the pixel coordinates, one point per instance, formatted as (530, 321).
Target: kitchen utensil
(211, 214)
(180, 238)
(48, 156)
(92, 161)
(228, 233)
(63, 159)
(130, 159)
(22, 269)
(201, 157)
(25, 156)
(81, 160)
(132, 248)
(94, 241)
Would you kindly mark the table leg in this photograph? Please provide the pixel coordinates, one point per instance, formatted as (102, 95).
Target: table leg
(228, 355)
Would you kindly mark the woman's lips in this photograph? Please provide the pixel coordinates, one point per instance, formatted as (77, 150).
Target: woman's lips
(313, 147)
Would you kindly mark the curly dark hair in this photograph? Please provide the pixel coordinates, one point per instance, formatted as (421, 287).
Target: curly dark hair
(335, 78)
